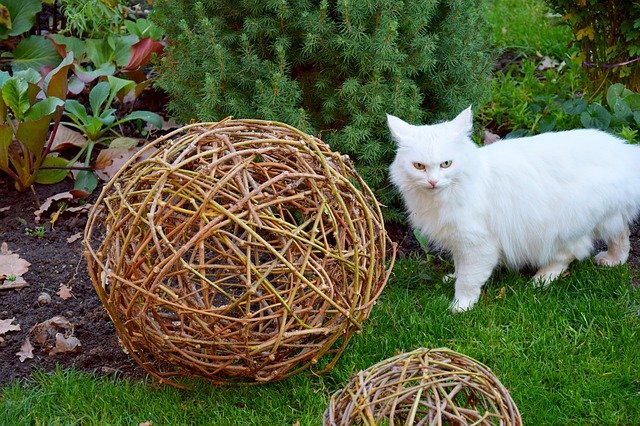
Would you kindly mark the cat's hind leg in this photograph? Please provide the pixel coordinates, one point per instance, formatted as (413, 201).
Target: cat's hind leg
(579, 249)
(617, 250)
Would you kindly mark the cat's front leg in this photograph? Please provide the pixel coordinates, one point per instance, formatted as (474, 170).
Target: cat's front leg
(473, 267)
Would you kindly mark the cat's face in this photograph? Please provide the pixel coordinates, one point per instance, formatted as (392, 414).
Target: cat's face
(432, 157)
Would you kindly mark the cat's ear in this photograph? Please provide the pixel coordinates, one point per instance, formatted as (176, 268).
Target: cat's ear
(463, 123)
(400, 130)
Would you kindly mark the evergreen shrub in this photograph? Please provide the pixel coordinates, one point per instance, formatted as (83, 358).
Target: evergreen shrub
(332, 68)
(608, 35)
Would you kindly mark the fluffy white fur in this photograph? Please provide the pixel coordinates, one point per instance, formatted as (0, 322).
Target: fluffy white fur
(538, 201)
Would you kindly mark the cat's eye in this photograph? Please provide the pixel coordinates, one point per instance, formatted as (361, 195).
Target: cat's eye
(446, 164)
(419, 166)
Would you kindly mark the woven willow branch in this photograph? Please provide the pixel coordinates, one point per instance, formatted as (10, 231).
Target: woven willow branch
(240, 251)
(423, 387)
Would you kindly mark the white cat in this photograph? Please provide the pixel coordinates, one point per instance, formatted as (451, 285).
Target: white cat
(537, 201)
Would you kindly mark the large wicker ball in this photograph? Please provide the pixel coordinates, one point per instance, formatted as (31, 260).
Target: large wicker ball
(239, 251)
(424, 387)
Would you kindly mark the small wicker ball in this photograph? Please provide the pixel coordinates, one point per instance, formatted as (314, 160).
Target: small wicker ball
(423, 387)
(238, 251)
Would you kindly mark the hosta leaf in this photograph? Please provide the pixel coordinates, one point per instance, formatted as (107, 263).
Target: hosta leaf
(76, 111)
(44, 107)
(34, 52)
(148, 116)
(57, 174)
(98, 95)
(33, 134)
(15, 96)
(22, 14)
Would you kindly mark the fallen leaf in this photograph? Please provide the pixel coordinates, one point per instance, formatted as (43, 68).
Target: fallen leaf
(26, 350)
(502, 293)
(42, 331)
(67, 138)
(65, 292)
(11, 264)
(4, 209)
(7, 325)
(47, 203)
(146, 424)
(64, 344)
(4, 248)
(111, 160)
(79, 209)
(74, 238)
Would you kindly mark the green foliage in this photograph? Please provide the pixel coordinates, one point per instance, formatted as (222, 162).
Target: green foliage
(333, 68)
(17, 16)
(608, 35)
(101, 123)
(93, 18)
(25, 139)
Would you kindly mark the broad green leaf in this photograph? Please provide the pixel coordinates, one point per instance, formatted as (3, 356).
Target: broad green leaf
(86, 182)
(119, 85)
(33, 134)
(547, 124)
(596, 116)
(76, 85)
(34, 52)
(633, 100)
(574, 106)
(70, 44)
(98, 95)
(30, 75)
(108, 117)
(14, 93)
(56, 82)
(6, 137)
(87, 76)
(94, 128)
(636, 117)
(113, 49)
(23, 16)
(44, 107)
(621, 110)
(148, 116)
(614, 93)
(59, 170)
(76, 111)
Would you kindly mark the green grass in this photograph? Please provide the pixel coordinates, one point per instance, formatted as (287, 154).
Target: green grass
(569, 354)
(527, 26)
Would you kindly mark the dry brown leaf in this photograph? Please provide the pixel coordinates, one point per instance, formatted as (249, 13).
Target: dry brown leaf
(65, 292)
(26, 350)
(47, 203)
(79, 209)
(4, 248)
(43, 330)
(67, 138)
(111, 160)
(74, 238)
(4, 209)
(65, 344)
(7, 325)
(12, 264)
(146, 424)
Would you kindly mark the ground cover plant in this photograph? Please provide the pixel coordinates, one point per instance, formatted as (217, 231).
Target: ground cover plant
(569, 354)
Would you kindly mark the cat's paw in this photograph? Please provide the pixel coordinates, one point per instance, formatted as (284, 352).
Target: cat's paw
(449, 278)
(461, 305)
(604, 258)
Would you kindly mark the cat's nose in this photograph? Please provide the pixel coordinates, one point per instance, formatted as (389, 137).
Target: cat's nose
(432, 182)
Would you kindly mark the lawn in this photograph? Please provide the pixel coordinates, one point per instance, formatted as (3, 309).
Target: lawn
(569, 354)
